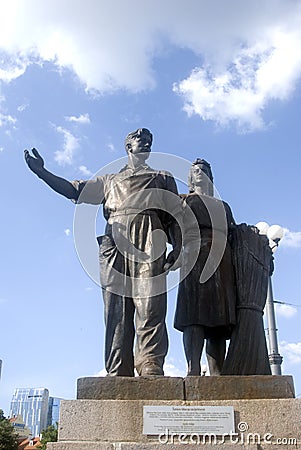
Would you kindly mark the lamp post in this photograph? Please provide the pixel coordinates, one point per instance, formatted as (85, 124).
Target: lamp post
(274, 234)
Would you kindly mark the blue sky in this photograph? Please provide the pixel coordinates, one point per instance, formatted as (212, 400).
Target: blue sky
(210, 81)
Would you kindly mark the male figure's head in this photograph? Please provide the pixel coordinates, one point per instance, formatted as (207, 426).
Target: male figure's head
(138, 143)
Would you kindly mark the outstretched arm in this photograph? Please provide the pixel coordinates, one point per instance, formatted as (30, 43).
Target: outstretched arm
(58, 184)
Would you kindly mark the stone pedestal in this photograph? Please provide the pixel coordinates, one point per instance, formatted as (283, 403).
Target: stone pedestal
(108, 413)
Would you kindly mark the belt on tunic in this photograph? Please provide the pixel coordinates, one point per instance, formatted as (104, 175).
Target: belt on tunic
(131, 211)
(252, 307)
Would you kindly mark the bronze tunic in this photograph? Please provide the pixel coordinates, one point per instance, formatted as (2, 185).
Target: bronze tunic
(210, 304)
(135, 204)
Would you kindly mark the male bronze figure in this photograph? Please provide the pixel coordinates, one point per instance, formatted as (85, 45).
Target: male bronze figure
(133, 270)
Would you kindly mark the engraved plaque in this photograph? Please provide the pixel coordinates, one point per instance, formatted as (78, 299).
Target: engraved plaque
(217, 420)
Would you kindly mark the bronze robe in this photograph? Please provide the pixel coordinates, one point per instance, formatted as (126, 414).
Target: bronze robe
(210, 304)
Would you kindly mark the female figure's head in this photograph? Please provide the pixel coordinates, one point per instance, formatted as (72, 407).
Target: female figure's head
(200, 178)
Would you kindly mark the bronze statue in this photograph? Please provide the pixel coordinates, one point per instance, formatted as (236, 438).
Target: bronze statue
(206, 308)
(133, 274)
(253, 263)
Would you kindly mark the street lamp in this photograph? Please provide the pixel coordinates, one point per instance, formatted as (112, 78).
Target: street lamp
(274, 234)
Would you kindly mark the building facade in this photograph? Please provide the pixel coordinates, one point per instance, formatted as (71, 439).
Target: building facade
(53, 411)
(32, 405)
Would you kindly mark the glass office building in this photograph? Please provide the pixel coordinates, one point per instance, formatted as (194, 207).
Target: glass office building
(32, 405)
(53, 411)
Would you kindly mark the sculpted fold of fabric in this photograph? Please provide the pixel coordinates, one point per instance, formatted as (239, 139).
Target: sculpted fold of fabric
(252, 258)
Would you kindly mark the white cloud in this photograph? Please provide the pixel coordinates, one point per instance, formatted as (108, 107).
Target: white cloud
(12, 65)
(71, 144)
(238, 93)
(85, 171)
(7, 119)
(171, 370)
(286, 311)
(94, 41)
(82, 119)
(101, 373)
(22, 107)
(67, 232)
(291, 351)
(247, 58)
(291, 239)
(111, 147)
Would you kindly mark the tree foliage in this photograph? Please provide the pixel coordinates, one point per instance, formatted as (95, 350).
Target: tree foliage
(48, 435)
(8, 437)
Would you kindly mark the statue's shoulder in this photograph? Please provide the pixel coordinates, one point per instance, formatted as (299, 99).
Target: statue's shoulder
(164, 173)
(102, 178)
(226, 205)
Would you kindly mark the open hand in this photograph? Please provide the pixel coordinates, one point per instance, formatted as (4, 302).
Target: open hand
(36, 162)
